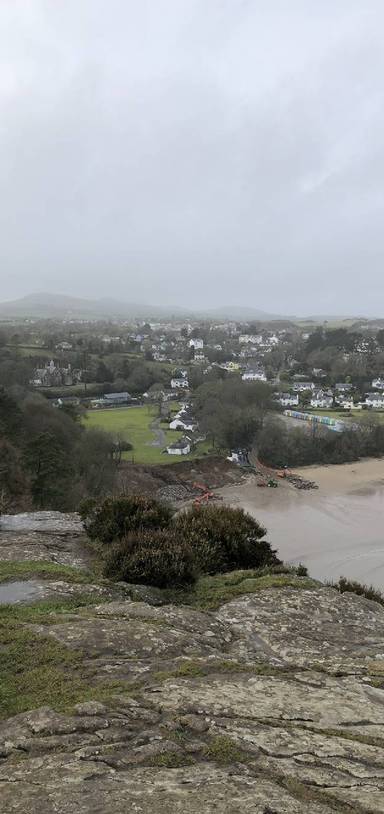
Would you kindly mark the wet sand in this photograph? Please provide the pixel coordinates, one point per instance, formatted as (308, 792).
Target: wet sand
(335, 530)
(346, 478)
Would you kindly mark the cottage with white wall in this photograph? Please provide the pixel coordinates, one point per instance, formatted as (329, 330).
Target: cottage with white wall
(188, 424)
(343, 387)
(199, 356)
(250, 339)
(179, 384)
(378, 384)
(288, 399)
(375, 400)
(182, 447)
(321, 400)
(302, 387)
(197, 344)
(254, 376)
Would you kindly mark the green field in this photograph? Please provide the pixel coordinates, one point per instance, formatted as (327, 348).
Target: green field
(133, 424)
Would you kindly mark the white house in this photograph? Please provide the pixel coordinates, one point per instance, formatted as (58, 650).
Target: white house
(343, 387)
(288, 399)
(321, 399)
(199, 356)
(375, 400)
(182, 447)
(319, 373)
(188, 424)
(378, 384)
(179, 384)
(197, 344)
(347, 404)
(301, 387)
(254, 376)
(250, 339)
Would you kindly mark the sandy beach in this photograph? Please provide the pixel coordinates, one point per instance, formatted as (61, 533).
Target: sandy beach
(345, 478)
(336, 530)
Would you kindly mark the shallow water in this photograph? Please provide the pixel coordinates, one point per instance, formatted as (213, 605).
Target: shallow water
(339, 535)
(50, 522)
(20, 591)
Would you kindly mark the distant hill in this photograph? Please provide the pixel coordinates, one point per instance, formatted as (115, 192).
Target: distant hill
(43, 305)
(243, 314)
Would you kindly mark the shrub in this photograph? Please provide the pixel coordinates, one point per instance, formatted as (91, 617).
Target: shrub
(151, 557)
(86, 507)
(224, 539)
(348, 585)
(116, 517)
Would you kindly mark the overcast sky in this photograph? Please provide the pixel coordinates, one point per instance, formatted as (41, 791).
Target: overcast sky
(194, 152)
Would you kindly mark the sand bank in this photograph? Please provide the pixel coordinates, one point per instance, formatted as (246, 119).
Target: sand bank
(334, 530)
(346, 478)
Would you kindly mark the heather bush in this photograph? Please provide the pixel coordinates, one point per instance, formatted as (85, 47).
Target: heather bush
(345, 585)
(224, 539)
(116, 517)
(151, 557)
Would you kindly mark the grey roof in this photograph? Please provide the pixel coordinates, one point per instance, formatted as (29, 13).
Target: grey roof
(179, 444)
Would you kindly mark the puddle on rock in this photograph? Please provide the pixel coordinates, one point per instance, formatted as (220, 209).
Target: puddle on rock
(19, 591)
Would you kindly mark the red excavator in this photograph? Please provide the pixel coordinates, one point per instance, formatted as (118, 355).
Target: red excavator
(206, 494)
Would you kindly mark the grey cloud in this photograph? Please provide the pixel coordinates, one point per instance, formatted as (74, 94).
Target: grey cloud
(194, 152)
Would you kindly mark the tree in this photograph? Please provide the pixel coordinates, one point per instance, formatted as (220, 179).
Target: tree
(103, 373)
(10, 416)
(13, 481)
(95, 464)
(49, 469)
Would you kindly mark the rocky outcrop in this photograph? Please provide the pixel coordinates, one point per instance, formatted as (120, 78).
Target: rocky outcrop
(271, 704)
(48, 536)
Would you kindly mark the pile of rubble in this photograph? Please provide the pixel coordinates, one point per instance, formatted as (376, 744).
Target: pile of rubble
(301, 483)
(174, 492)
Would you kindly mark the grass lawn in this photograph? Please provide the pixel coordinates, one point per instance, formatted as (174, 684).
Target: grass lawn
(33, 351)
(133, 424)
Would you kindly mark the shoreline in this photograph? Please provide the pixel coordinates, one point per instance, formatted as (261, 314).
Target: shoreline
(334, 530)
(345, 478)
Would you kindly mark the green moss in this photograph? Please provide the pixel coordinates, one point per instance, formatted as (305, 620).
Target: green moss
(23, 569)
(197, 669)
(212, 592)
(224, 750)
(170, 760)
(48, 611)
(38, 670)
(309, 794)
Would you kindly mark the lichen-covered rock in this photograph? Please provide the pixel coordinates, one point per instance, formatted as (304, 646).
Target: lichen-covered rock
(67, 787)
(320, 629)
(270, 705)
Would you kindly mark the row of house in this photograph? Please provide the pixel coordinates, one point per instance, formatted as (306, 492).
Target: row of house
(183, 420)
(326, 399)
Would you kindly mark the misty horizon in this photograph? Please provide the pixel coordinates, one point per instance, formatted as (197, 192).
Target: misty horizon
(193, 155)
(40, 297)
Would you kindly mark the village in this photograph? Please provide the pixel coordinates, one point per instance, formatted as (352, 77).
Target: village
(140, 381)
(181, 355)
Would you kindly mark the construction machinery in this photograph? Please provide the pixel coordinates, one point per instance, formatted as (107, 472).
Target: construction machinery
(206, 494)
